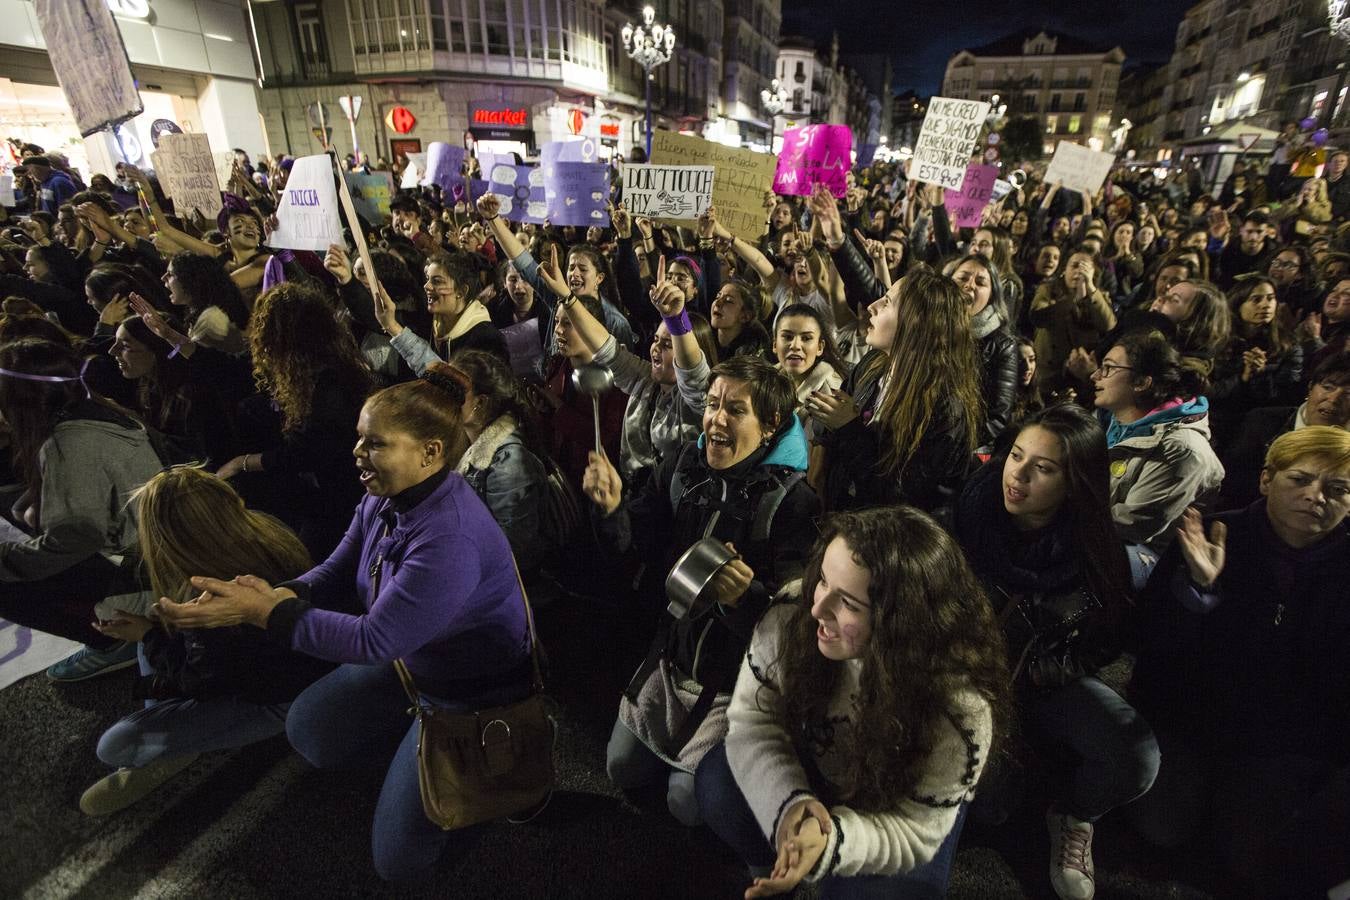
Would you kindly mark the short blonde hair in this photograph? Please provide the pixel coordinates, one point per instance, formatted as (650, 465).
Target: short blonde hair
(1324, 442)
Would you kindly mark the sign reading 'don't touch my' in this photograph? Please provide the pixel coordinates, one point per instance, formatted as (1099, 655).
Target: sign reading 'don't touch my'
(742, 179)
(667, 192)
(950, 131)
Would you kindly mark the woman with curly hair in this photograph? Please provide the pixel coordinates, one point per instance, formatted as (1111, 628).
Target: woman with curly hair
(863, 716)
(905, 424)
(214, 309)
(308, 365)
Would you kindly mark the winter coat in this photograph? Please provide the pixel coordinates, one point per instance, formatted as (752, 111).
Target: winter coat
(1062, 323)
(1162, 464)
(999, 358)
(510, 480)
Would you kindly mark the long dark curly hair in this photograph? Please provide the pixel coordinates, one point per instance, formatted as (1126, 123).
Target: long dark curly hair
(933, 636)
(297, 341)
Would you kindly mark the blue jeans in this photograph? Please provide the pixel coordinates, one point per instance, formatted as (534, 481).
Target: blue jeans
(181, 726)
(1115, 755)
(724, 809)
(631, 764)
(358, 715)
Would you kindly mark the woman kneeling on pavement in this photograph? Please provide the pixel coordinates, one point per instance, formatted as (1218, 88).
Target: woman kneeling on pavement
(863, 716)
(211, 689)
(742, 483)
(436, 587)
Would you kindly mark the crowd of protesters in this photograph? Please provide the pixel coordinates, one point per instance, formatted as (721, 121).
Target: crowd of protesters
(1049, 511)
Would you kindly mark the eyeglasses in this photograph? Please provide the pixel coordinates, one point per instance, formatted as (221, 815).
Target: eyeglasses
(1106, 370)
(680, 277)
(1284, 264)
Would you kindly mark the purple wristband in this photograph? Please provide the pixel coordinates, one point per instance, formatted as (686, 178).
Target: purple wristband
(678, 325)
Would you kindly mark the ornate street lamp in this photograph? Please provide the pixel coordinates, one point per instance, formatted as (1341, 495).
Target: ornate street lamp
(774, 98)
(649, 45)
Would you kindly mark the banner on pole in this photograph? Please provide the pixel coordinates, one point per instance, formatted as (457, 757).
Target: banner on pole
(307, 217)
(90, 61)
(814, 154)
(371, 193)
(951, 128)
(187, 172)
(741, 179)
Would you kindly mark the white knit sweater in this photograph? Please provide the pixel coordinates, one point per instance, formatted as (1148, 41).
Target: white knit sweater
(771, 776)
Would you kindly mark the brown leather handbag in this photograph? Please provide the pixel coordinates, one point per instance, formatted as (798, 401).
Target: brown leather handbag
(491, 764)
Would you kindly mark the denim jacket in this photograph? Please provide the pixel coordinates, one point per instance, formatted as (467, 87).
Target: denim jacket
(509, 479)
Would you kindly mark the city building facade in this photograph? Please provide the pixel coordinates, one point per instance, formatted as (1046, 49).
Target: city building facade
(1261, 62)
(1067, 84)
(820, 89)
(1141, 102)
(193, 63)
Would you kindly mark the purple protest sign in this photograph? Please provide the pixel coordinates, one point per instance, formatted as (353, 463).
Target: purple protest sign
(577, 193)
(521, 189)
(811, 154)
(445, 166)
(581, 150)
(966, 206)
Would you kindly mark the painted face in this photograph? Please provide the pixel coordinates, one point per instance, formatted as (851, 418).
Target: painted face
(662, 355)
(1306, 501)
(1035, 480)
(444, 297)
(244, 232)
(1028, 353)
(883, 319)
(1177, 303)
(797, 343)
(134, 359)
(390, 461)
(1047, 261)
(727, 310)
(1112, 382)
(841, 605)
(973, 280)
(1284, 268)
(1336, 306)
(731, 428)
(583, 278)
(1259, 307)
(680, 275)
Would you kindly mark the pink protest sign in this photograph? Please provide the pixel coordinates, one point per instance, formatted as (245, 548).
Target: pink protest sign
(814, 153)
(965, 206)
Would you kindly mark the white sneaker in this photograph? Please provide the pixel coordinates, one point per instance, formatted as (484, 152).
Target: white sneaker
(1071, 870)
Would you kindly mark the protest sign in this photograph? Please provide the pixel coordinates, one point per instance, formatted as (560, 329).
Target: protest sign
(814, 154)
(523, 345)
(307, 217)
(371, 192)
(445, 166)
(742, 178)
(966, 205)
(950, 130)
(224, 160)
(86, 52)
(7, 191)
(412, 173)
(1002, 188)
(187, 172)
(577, 193)
(521, 189)
(667, 192)
(1079, 168)
(580, 150)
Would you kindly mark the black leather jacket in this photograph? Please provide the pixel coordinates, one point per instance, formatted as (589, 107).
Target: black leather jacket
(998, 381)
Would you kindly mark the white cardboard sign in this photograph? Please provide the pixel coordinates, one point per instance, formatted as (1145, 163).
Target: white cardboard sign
(307, 218)
(1079, 168)
(951, 128)
(667, 192)
(90, 61)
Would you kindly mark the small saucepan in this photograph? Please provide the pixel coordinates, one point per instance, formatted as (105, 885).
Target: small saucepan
(687, 583)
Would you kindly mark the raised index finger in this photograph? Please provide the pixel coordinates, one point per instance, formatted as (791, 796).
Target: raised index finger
(661, 269)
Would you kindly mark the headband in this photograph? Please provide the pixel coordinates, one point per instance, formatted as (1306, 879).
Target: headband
(53, 379)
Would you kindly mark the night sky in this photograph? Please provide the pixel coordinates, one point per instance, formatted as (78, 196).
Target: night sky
(922, 36)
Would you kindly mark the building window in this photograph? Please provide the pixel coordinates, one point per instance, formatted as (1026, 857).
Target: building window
(309, 30)
(1079, 102)
(798, 96)
(1051, 124)
(1055, 102)
(1075, 124)
(800, 73)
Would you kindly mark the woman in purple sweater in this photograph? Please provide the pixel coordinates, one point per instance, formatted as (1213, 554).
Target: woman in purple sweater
(433, 573)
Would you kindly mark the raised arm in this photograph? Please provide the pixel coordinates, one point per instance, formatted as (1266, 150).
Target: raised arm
(179, 237)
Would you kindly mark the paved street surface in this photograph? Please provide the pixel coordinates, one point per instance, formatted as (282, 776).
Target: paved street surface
(260, 822)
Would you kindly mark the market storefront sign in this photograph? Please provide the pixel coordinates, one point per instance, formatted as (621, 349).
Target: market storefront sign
(498, 119)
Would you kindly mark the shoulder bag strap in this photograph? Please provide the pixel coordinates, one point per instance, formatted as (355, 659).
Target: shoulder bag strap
(537, 673)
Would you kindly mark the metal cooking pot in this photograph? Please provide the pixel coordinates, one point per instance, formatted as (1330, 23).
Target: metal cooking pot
(693, 572)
